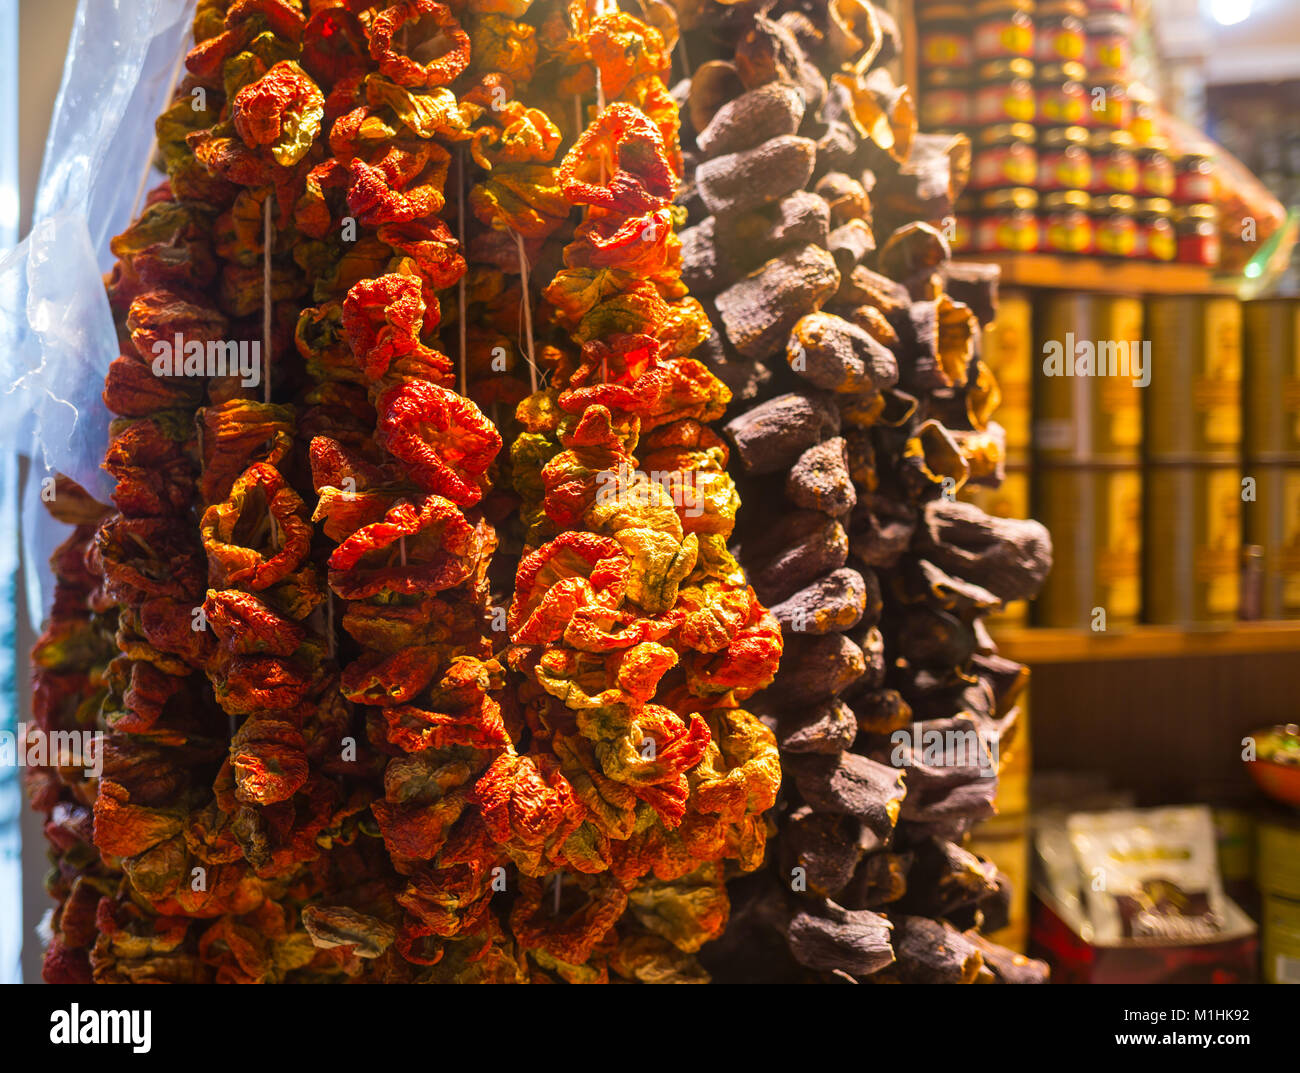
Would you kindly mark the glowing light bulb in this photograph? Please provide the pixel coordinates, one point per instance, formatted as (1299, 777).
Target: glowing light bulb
(1230, 12)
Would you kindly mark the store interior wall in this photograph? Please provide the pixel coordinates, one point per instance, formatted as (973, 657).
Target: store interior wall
(44, 27)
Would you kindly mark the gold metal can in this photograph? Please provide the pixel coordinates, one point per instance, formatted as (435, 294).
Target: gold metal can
(1194, 404)
(1087, 398)
(1191, 566)
(1094, 514)
(1009, 500)
(1280, 939)
(1271, 512)
(1277, 858)
(1007, 349)
(1271, 395)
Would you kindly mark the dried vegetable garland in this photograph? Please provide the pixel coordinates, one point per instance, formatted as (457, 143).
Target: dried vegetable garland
(329, 755)
(633, 628)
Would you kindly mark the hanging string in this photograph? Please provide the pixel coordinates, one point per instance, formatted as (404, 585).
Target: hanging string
(266, 324)
(266, 296)
(329, 622)
(460, 286)
(153, 145)
(528, 310)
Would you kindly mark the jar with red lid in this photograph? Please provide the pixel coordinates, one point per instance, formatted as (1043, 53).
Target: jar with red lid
(1008, 221)
(1198, 235)
(1110, 44)
(1059, 34)
(1115, 225)
(1112, 7)
(1062, 98)
(1004, 93)
(1195, 182)
(947, 101)
(946, 38)
(1109, 106)
(1004, 29)
(1006, 157)
(1067, 223)
(1156, 174)
(1114, 164)
(1157, 239)
(1064, 162)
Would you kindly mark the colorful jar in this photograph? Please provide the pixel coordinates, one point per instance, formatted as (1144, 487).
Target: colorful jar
(1059, 34)
(1195, 182)
(1062, 98)
(1115, 225)
(947, 102)
(1004, 29)
(1198, 235)
(1004, 93)
(1157, 239)
(1109, 106)
(1067, 225)
(1144, 113)
(1008, 222)
(1064, 162)
(1006, 157)
(1114, 164)
(960, 231)
(945, 38)
(1110, 45)
(1157, 176)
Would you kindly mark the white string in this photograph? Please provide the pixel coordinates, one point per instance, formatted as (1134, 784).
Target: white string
(266, 297)
(460, 286)
(153, 145)
(528, 310)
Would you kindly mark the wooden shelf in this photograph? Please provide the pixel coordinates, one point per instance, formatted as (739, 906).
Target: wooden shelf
(1101, 275)
(1054, 646)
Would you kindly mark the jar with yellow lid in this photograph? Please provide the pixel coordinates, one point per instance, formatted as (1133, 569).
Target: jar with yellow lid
(1110, 45)
(1064, 162)
(1067, 223)
(1198, 235)
(947, 101)
(1062, 98)
(1004, 29)
(1109, 105)
(1157, 176)
(1059, 34)
(1006, 157)
(946, 38)
(1145, 112)
(1157, 239)
(1008, 221)
(1005, 93)
(1114, 164)
(1115, 225)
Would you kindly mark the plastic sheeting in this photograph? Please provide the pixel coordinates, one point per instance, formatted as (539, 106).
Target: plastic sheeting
(56, 332)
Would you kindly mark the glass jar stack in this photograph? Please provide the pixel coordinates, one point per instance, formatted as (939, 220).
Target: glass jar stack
(1068, 157)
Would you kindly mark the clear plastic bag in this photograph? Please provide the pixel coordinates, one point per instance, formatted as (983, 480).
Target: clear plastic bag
(56, 331)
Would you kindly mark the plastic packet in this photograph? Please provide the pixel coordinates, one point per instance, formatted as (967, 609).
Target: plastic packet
(1150, 874)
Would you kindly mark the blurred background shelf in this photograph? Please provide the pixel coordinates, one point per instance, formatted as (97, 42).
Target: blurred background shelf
(1042, 646)
(1102, 275)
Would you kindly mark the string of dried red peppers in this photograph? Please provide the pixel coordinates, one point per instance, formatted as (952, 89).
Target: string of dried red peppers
(313, 769)
(633, 628)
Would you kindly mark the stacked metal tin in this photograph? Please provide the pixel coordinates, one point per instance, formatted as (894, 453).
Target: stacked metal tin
(1088, 459)
(1271, 453)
